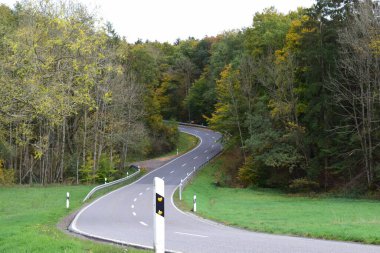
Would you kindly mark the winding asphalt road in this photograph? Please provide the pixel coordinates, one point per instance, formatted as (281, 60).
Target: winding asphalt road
(125, 216)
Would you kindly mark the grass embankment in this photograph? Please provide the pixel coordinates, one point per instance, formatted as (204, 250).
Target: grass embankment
(29, 216)
(185, 143)
(280, 213)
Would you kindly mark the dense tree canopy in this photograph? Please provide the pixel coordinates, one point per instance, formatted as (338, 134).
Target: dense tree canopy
(296, 96)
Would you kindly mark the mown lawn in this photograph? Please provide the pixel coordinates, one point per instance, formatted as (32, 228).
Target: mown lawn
(29, 217)
(280, 213)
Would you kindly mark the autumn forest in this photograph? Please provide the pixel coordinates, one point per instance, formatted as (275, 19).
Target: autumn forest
(296, 96)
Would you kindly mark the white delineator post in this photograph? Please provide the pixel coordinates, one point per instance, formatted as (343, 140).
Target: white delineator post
(67, 200)
(195, 203)
(159, 215)
(180, 190)
(105, 180)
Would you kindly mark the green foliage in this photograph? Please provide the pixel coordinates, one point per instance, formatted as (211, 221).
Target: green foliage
(73, 92)
(87, 171)
(247, 174)
(106, 169)
(303, 185)
(7, 176)
(201, 99)
(267, 33)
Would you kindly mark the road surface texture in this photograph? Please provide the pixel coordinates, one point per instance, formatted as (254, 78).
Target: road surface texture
(125, 216)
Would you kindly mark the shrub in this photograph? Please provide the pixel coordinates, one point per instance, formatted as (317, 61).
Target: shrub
(7, 176)
(303, 185)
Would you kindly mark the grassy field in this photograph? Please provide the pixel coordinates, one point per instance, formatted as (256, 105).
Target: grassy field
(29, 216)
(276, 212)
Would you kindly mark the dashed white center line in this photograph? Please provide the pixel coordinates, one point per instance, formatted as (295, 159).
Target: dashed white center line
(140, 193)
(163, 178)
(132, 206)
(143, 223)
(195, 157)
(171, 172)
(134, 214)
(206, 151)
(180, 233)
(135, 200)
(183, 165)
(148, 189)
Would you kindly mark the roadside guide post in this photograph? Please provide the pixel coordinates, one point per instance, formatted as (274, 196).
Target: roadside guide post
(159, 215)
(180, 190)
(105, 180)
(195, 203)
(67, 200)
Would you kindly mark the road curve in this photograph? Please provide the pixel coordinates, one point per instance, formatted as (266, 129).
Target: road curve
(125, 216)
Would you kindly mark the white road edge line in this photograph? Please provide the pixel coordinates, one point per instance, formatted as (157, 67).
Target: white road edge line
(181, 233)
(73, 225)
(143, 223)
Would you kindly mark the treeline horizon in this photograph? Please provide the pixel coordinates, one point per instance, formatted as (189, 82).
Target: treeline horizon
(296, 96)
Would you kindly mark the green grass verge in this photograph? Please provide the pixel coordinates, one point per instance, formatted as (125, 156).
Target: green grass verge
(186, 142)
(29, 216)
(276, 212)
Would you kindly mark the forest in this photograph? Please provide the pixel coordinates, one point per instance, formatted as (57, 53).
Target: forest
(296, 96)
